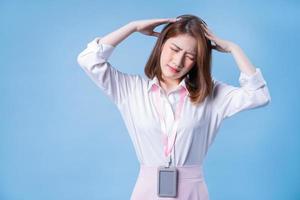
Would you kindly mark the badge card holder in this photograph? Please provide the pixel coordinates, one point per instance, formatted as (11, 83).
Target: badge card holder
(167, 181)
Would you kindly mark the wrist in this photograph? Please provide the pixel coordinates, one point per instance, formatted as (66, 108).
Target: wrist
(233, 48)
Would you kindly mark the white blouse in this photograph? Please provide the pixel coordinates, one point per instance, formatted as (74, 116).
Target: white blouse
(198, 125)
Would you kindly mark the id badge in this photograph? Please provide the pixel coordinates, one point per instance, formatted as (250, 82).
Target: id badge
(167, 181)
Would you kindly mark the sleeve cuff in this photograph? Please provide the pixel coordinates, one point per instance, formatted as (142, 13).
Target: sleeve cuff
(252, 82)
(103, 50)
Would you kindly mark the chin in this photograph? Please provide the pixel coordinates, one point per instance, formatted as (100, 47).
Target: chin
(170, 76)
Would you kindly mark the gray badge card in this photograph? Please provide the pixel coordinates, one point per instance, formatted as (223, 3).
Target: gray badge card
(167, 181)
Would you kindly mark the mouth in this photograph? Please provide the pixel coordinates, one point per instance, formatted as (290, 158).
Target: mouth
(173, 69)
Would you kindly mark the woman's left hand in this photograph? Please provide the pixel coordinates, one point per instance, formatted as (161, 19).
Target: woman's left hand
(220, 45)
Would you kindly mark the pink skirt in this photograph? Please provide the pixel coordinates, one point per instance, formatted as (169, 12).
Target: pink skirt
(191, 184)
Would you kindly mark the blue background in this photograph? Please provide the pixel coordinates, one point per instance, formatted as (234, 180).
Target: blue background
(61, 138)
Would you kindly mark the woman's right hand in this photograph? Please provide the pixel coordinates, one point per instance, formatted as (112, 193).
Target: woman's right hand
(147, 26)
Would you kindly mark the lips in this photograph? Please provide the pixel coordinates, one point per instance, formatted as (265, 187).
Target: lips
(173, 69)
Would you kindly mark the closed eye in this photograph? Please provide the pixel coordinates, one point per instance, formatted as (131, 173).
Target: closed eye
(176, 50)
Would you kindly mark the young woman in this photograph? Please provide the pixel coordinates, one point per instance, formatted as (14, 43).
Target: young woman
(173, 117)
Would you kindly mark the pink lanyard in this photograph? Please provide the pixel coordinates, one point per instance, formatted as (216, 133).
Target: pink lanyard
(169, 140)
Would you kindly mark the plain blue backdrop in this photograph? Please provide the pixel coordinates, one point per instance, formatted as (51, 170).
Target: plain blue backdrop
(62, 139)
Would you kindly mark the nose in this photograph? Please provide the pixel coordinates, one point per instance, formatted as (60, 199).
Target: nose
(177, 61)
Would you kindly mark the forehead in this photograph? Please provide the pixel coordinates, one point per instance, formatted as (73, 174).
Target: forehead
(184, 42)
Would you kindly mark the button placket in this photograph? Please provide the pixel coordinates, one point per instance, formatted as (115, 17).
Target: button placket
(169, 110)
(167, 104)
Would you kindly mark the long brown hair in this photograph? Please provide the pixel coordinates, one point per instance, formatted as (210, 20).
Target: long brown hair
(198, 80)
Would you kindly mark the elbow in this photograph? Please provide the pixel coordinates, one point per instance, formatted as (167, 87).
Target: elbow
(80, 60)
(260, 98)
(263, 96)
(265, 100)
(89, 60)
(267, 97)
(84, 61)
(83, 58)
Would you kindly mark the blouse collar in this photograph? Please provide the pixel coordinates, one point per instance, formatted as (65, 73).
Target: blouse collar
(154, 83)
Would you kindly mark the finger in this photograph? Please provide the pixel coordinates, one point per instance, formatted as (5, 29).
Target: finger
(209, 37)
(174, 19)
(204, 25)
(165, 20)
(216, 48)
(207, 29)
(209, 32)
(156, 34)
(214, 43)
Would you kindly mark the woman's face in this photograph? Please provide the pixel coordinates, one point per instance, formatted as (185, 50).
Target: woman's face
(178, 56)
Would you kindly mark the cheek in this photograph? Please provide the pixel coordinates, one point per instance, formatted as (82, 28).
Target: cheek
(189, 65)
(165, 57)
(189, 61)
(168, 53)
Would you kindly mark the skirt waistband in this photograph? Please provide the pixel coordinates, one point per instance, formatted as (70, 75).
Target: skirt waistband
(184, 172)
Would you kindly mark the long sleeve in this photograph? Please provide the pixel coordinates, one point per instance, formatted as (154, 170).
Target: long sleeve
(252, 93)
(115, 84)
(228, 100)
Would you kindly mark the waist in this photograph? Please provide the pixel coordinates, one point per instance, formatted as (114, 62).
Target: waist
(184, 172)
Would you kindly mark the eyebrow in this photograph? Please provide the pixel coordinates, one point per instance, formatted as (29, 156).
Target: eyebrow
(193, 53)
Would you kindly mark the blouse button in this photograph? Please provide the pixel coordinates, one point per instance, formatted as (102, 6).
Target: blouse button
(172, 99)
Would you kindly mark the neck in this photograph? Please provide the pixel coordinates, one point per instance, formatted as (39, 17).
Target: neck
(168, 85)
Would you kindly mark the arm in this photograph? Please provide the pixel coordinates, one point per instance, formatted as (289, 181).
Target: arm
(93, 60)
(253, 91)
(115, 37)
(242, 61)
(145, 27)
